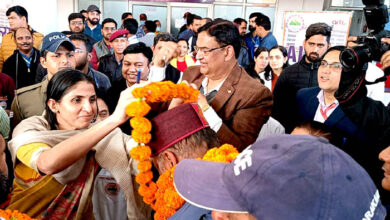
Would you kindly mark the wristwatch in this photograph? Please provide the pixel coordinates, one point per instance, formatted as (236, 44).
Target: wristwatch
(204, 107)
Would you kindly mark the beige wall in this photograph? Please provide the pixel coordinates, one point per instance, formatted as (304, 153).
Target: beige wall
(293, 5)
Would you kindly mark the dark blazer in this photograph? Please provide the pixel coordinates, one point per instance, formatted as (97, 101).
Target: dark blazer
(354, 140)
(242, 103)
(307, 107)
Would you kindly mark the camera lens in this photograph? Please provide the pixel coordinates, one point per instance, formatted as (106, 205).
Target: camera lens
(349, 58)
(356, 56)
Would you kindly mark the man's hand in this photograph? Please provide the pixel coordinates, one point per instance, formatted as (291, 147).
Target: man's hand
(385, 60)
(351, 41)
(168, 51)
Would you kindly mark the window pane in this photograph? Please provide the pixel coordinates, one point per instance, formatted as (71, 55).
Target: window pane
(228, 12)
(83, 4)
(270, 12)
(347, 3)
(114, 9)
(262, 1)
(177, 19)
(153, 13)
(352, 3)
(229, 0)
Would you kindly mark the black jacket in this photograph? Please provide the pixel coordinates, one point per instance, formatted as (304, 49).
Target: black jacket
(110, 67)
(17, 68)
(293, 78)
(373, 119)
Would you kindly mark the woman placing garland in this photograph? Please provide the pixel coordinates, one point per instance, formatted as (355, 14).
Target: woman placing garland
(54, 154)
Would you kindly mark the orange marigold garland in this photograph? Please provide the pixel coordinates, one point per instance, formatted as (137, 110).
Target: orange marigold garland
(14, 215)
(162, 195)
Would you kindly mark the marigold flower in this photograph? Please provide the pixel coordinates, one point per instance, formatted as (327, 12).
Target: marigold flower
(144, 166)
(137, 108)
(141, 124)
(148, 190)
(141, 137)
(141, 153)
(144, 177)
(14, 215)
(139, 92)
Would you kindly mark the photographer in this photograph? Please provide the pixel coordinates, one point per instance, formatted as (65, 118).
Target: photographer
(371, 117)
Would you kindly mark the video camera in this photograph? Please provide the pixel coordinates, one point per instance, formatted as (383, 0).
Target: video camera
(370, 46)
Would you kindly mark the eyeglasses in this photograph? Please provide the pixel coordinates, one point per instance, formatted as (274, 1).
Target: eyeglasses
(332, 66)
(80, 51)
(206, 50)
(76, 22)
(109, 28)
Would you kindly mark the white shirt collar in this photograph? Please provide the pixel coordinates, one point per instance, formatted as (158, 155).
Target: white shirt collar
(321, 99)
(205, 83)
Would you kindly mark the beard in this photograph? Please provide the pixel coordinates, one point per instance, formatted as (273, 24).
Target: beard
(80, 65)
(93, 21)
(251, 29)
(313, 57)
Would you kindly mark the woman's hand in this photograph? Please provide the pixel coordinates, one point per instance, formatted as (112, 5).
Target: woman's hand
(119, 116)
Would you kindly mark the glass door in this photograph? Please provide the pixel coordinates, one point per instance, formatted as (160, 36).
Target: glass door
(178, 10)
(153, 12)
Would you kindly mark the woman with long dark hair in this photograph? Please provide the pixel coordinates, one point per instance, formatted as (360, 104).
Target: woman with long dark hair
(57, 155)
(278, 60)
(259, 64)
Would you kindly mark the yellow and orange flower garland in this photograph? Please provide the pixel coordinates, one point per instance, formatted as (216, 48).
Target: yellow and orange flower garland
(13, 215)
(162, 195)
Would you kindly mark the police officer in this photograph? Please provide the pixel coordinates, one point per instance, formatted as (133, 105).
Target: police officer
(57, 54)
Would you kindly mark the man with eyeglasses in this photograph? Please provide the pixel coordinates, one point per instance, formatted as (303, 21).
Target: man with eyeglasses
(92, 27)
(320, 104)
(82, 56)
(57, 54)
(103, 47)
(300, 75)
(77, 26)
(234, 104)
(111, 64)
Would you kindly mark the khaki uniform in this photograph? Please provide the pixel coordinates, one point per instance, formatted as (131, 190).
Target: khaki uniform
(29, 101)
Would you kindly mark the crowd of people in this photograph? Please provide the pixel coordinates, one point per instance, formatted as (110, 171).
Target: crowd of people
(302, 149)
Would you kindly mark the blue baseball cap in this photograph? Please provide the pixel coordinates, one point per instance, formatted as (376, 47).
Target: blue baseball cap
(52, 41)
(283, 177)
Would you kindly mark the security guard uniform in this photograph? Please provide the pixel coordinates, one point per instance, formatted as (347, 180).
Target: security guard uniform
(29, 101)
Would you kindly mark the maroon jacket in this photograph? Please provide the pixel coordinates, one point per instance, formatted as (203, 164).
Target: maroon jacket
(7, 88)
(242, 103)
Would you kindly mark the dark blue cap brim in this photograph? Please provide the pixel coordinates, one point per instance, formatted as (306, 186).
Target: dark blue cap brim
(201, 184)
(54, 47)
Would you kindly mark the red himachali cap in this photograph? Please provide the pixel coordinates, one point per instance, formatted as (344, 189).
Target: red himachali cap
(174, 125)
(283, 177)
(118, 33)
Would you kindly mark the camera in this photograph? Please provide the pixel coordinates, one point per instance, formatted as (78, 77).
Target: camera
(370, 46)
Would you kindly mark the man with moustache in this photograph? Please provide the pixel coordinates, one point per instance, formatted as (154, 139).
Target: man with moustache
(93, 27)
(76, 25)
(103, 47)
(23, 63)
(83, 56)
(57, 54)
(111, 64)
(300, 75)
(252, 41)
(17, 17)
